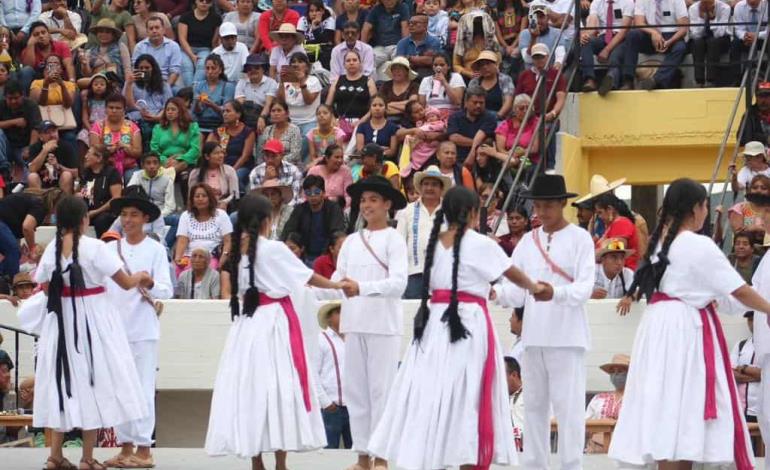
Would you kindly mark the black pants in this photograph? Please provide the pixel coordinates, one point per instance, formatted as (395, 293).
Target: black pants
(102, 222)
(737, 50)
(708, 50)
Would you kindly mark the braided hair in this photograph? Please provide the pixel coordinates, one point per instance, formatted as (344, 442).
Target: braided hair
(610, 200)
(253, 211)
(456, 208)
(678, 204)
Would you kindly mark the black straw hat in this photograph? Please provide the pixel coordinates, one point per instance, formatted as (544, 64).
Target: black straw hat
(548, 187)
(381, 186)
(135, 196)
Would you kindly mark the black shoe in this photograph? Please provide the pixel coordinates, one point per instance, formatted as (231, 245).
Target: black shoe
(605, 85)
(628, 84)
(589, 85)
(648, 84)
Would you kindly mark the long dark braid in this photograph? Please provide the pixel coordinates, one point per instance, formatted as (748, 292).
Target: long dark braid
(234, 262)
(423, 313)
(456, 329)
(251, 296)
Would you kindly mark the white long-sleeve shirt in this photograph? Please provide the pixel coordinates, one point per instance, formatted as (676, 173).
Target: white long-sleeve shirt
(414, 223)
(742, 14)
(331, 363)
(722, 16)
(614, 286)
(562, 321)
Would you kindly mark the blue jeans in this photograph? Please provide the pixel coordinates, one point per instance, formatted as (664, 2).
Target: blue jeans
(172, 220)
(192, 73)
(9, 247)
(243, 178)
(337, 424)
(413, 287)
(595, 46)
(303, 130)
(638, 41)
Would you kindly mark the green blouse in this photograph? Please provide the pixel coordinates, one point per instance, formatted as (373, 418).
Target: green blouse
(185, 144)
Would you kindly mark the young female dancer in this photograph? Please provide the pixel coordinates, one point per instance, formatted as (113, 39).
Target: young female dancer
(681, 405)
(85, 376)
(451, 392)
(263, 399)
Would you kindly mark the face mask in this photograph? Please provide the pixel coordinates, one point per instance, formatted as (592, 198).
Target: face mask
(618, 380)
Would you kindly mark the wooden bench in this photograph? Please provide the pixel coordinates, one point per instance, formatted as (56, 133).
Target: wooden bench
(21, 421)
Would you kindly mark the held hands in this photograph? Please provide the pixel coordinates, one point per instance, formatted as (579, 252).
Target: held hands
(349, 287)
(143, 279)
(543, 292)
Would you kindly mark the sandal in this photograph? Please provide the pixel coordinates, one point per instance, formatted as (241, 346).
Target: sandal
(58, 464)
(119, 461)
(137, 462)
(93, 464)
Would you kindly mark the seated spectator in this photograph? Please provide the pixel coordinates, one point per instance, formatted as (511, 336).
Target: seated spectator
(516, 324)
(118, 138)
(246, 22)
(373, 163)
(211, 94)
(52, 90)
(271, 20)
(274, 166)
(444, 89)
(497, 85)
(146, 94)
(19, 17)
(6, 366)
(584, 213)
(318, 27)
(285, 132)
(612, 277)
(232, 52)
(352, 12)
(476, 32)
(541, 33)
(281, 197)
(34, 57)
(385, 25)
(256, 92)
(349, 41)
(237, 142)
(100, 184)
(326, 264)
(517, 219)
(204, 226)
(18, 117)
(709, 43)
(747, 30)
(420, 147)
(165, 51)
(506, 133)
(302, 92)
(487, 168)
(315, 219)
(197, 30)
(469, 127)
(20, 215)
(217, 174)
(450, 167)
(350, 94)
(288, 41)
(52, 161)
(419, 47)
(324, 135)
(23, 286)
(117, 11)
(619, 222)
(108, 54)
(743, 258)
(294, 243)
(493, 213)
(336, 174)
(5, 75)
(608, 44)
(401, 89)
(607, 405)
(176, 138)
(378, 129)
(63, 25)
(667, 39)
(143, 10)
(747, 372)
(515, 389)
(511, 21)
(755, 163)
(158, 183)
(200, 281)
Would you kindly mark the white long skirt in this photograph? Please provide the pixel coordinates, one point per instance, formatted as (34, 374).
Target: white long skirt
(431, 418)
(116, 395)
(662, 417)
(258, 404)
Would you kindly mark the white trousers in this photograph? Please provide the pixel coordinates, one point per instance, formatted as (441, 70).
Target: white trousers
(554, 377)
(139, 432)
(371, 362)
(382, 55)
(763, 417)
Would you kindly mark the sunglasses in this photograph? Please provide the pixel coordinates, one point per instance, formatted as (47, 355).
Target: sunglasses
(313, 192)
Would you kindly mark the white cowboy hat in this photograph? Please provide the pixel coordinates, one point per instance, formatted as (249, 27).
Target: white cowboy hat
(287, 28)
(432, 172)
(599, 185)
(323, 313)
(402, 61)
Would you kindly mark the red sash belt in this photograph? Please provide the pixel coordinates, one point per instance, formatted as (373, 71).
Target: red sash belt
(295, 339)
(66, 291)
(742, 461)
(486, 427)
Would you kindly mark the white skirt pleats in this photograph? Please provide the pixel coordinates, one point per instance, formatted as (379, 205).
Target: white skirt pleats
(662, 417)
(115, 396)
(258, 404)
(431, 418)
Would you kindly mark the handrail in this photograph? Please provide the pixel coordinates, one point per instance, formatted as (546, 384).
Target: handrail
(16, 333)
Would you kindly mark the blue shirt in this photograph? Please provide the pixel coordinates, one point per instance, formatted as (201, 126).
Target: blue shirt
(380, 137)
(223, 93)
(386, 25)
(342, 19)
(460, 124)
(153, 102)
(407, 47)
(14, 13)
(168, 55)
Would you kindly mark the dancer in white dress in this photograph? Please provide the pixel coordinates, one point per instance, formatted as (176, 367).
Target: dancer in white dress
(449, 406)
(264, 400)
(85, 377)
(681, 405)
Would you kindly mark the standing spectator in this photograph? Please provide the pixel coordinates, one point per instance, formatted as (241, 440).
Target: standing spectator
(350, 94)
(378, 129)
(540, 32)
(451, 168)
(176, 138)
(619, 222)
(314, 220)
(218, 175)
(20, 215)
(511, 20)
(117, 11)
(100, 184)
(53, 162)
(63, 25)
(275, 167)
(202, 225)
(667, 38)
(284, 131)
(385, 25)
(232, 52)
(281, 197)
(34, 57)
(612, 277)
(607, 405)
(200, 281)
(326, 264)
(143, 11)
(246, 22)
(469, 127)
(19, 116)
(607, 44)
(415, 222)
(350, 42)
(236, 140)
(506, 133)
(257, 91)
(336, 174)
(444, 89)
(107, 54)
(318, 27)
(272, 19)
(400, 89)
(331, 346)
(708, 43)
(497, 85)
(743, 258)
(146, 94)
(755, 163)
(118, 138)
(747, 372)
(158, 183)
(198, 35)
(744, 217)
(746, 11)
(515, 389)
(211, 94)
(517, 219)
(18, 15)
(352, 12)
(302, 92)
(288, 41)
(419, 47)
(165, 51)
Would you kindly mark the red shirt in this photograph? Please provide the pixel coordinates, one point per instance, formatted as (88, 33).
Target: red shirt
(624, 228)
(324, 265)
(528, 80)
(268, 23)
(58, 48)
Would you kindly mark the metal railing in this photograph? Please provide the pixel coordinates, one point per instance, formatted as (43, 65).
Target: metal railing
(17, 333)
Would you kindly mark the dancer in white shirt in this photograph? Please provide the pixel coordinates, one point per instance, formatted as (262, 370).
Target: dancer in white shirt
(681, 405)
(449, 406)
(331, 363)
(555, 335)
(139, 310)
(264, 399)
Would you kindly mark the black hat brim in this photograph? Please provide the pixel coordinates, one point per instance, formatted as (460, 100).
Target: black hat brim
(758, 199)
(387, 191)
(530, 195)
(147, 207)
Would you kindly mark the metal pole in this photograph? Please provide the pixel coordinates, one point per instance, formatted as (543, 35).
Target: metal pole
(16, 368)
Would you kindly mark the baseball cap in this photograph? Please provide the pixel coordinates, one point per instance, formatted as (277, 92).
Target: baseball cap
(372, 149)
(540, 49)
(45, 125)
(538, 9)
(754, 148)
(227, 29)
(273, 145)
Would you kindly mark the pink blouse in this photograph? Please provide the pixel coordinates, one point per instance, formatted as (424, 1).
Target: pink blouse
(336, 183)
(507, 130)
